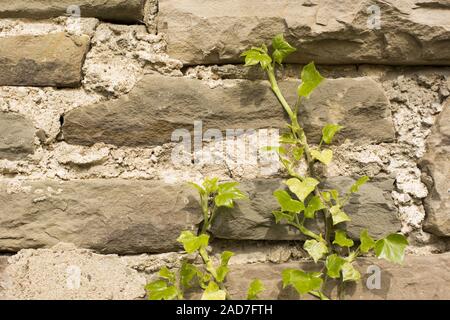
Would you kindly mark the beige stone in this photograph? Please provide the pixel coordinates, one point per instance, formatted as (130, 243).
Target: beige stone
(16, 136)
(44, 60)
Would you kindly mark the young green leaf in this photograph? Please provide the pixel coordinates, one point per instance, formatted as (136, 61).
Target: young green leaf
(281, 216)
(255, 288)
(281, 49)
(160, 290)
(257, 55)
(187, 273)
(302, 189)
(303, 282)
(280, 150)
(367, 243)
(213, 292)
(200, 189)
(298, 153)
(315, 204)
(316, 249)
(391, 248)
(334, 265)
(223, 269)
(349, 273)
(324, 156)
(192, 243)
(311, 78)
(287, 203)
(361, 181)
(287, 138)
(338, 215)
(167, 274)
(227, 193)
(341, 239)
(211, 185)
(329, 131)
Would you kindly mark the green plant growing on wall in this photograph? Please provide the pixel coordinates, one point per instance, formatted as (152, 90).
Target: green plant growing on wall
(308, 200)
(208, 276)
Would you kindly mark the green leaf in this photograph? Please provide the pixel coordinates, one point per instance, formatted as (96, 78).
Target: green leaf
(329, 131)
(341, 239)
(391, 248)
(298, 153)
(255, 288)
(287, 203)
(367, 243)
(334, 194)
(319, 295)
(316, 249)
(211, 185)
(311, 78)
(324, 156)
(361, 181)
(315, 204)
(280, 216)
(227, 193)
(167, 274)
(302, 189)
(257, 55)
(160, 290)
(338, 215)
(192, 243)
(187, 274)
(213, 292)
(287, 138)
(334, 265)
(303, 282)
(279, 150)
(281, 49)
(223, 269)
(349, 273)
(200, 190)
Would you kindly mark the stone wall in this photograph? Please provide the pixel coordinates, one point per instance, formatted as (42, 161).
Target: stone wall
(91, 94)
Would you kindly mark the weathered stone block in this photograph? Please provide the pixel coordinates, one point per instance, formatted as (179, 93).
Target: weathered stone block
(419, 278)
(372, 208)
(114, 10)
(328, 32)
(46, 60)
(436, 166)
(112, 216)
(159, 105)
(16, 136)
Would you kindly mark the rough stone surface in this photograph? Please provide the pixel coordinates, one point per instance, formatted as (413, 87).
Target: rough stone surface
(371, 208)
(159, 105)
(114, 10)
(47, 60)
(328, 32)
(420, 277)
(112, 216)
(16, 136)
(436, 165)
(67, 273)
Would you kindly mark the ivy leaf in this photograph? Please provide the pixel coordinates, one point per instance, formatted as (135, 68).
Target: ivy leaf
(287, 138)
(391, 248)
(193, 243)
(341, 239)
(361, 181)
(316, 249)
(281, 49)
(338, 215)
(349, 273)
(287, 203)
(303, 282)
(298, 153)
(280, 216)
(329, 131)
(255, 288)
(213, 292)
(227, 193)
(315, 204)
(167, 274)
(223, 269)
(200, 190)
(302, 189)
(187, 273)
(334, 265)
(367, 243)
(257, 55)
(311, 78)
(211, 185)
(160, 290)
(324, 156)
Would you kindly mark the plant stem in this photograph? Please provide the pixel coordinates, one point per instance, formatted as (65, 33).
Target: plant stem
(212, 271)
